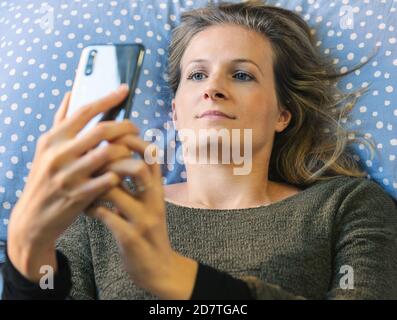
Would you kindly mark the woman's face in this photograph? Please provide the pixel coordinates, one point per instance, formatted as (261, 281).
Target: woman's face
(234, 75)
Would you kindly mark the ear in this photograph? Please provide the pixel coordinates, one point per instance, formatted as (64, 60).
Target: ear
(174, 116)
(283, 120)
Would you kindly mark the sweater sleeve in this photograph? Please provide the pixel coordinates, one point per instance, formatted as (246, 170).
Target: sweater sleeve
(74, 278)
(17, 287)
(213, 284)
(75, 245)
(365, 245)
(364, 250)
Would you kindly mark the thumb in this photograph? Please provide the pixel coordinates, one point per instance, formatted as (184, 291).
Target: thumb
(62, 111)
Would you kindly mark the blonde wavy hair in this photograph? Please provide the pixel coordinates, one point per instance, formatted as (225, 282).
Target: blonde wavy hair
(315, 145)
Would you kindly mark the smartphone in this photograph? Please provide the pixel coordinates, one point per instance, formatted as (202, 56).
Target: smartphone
(101, 70)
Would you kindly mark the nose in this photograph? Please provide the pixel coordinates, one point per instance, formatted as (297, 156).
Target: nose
(214, 90)
(213, 94)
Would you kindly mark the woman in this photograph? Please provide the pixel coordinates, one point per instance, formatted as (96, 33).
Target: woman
(303, 223)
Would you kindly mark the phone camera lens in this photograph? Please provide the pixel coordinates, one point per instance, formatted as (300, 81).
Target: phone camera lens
(90, 62)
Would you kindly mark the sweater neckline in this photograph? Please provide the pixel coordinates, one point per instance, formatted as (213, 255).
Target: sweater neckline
(244, 209)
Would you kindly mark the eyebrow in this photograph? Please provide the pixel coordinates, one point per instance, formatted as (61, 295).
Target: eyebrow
(234, 60)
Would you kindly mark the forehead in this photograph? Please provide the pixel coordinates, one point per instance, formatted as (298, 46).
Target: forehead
(228, 42)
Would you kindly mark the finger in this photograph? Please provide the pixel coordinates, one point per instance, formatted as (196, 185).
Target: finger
(148, 151)
(62, 111)
(103, 131)
(154, 164)
(129, 207)
(138, 223)
(94, 188)
(133, 142)
(91, 162)
(84, 115)
(140, 174)
(123, 231)
(91, 209)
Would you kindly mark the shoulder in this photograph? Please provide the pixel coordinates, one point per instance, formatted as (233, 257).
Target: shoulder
(362, 198)
(341, 195)
(355, 187)
(346, 185)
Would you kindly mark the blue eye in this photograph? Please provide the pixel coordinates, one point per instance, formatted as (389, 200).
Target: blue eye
(243, 76)
(191, 76)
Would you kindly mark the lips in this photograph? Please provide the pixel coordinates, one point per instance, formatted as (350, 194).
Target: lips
(215, 113)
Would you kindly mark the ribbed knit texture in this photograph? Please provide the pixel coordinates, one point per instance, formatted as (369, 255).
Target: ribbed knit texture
(291, 249)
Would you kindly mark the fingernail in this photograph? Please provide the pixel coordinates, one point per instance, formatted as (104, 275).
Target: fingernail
(123, 87)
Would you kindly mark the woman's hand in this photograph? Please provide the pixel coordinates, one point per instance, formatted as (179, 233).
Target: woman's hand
(61, 183)
(140, 229)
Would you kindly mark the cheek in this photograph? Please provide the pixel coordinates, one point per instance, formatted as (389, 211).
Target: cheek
(187, 99)
(260, 117)
(261, 103)
(184, 108)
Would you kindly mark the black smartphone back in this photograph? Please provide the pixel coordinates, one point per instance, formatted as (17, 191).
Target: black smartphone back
(101, 70)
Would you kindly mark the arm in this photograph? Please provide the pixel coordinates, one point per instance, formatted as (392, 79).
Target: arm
(366, 240)
(62, 182)
(73, 265)
(17, 287)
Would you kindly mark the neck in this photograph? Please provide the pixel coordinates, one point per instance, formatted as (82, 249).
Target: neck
(217, 185)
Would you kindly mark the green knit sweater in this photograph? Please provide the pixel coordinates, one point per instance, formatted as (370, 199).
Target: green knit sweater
(336, 239)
